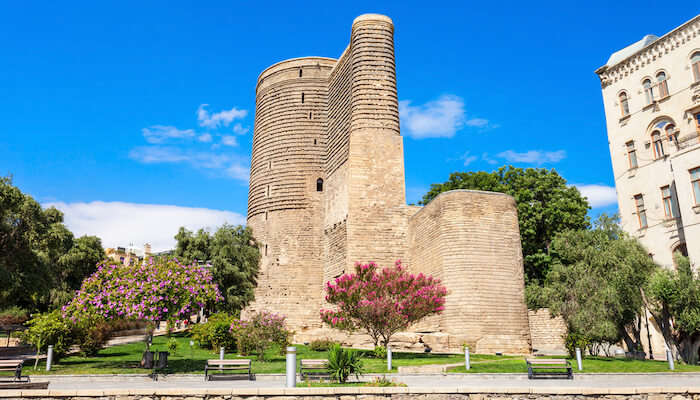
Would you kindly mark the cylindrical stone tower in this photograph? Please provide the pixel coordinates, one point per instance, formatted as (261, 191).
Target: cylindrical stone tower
(286, 179)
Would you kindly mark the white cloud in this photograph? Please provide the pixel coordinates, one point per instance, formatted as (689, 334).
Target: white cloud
(228, 140)
(223, 162)
(222, 118)
(468, 159)
(238, 129)
(439, 118)
(161, 133)
(205, 138)
(119, 224)
(598, 195)
(477, 122)
(537, 157)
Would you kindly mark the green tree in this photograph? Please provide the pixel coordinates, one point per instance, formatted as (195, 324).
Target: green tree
(40, 261)
(234, 256)
(674, 302)
(546, 206)
(595, 283)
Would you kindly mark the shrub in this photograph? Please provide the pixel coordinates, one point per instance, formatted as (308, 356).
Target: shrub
(382, 302)
(261, 332)
(91, 336)
(172, 345)
(13, 316)
(48, 329)
(379, 352)
(215, 333)
(342, 363)
(574, 340)
(321, 344)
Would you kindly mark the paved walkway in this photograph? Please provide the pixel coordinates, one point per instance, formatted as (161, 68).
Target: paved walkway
(439, 381)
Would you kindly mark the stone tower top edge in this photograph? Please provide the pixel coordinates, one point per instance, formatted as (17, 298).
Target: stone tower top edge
(373, 17)
(296, 63)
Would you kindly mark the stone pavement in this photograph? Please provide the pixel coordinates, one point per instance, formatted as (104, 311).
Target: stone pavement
(443, 382)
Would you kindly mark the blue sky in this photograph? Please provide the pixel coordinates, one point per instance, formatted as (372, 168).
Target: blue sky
(137, 117)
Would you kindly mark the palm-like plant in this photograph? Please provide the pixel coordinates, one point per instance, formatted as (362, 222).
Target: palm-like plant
(342, 363)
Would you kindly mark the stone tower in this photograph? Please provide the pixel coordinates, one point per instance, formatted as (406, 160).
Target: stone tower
(327, 189)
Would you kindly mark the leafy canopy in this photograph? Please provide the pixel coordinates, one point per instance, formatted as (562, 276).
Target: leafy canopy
(381, 302)
(234, 256)
(595, 282)
(546, 206)
(41, 263)
(160, 290)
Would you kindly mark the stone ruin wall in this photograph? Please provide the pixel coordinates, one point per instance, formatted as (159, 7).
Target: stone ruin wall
(338, 121)
(547, 332)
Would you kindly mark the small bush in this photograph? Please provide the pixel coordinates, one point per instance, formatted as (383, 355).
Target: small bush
(321, 344)
(92, 336)
(49, 329)
(13, 316)
(262, 331)
(574, 340)
(342, 363)
(172, 346)
(379, 352)
(215, 333)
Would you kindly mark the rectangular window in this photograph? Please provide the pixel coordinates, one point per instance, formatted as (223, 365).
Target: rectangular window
(695, 182)
(697, 122)
(641, 211)
(667, 201)
(631, 154)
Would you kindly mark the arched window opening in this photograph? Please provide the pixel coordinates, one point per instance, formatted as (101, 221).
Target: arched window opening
(695, 65)
(648, 91)
(682, 250)
(624, 105)
(302, 98)
(658, 144)
(662, 84)
(319, 185)
(672, 134)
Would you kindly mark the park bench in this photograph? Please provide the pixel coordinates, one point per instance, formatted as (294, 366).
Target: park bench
(309, 368)
(14, 366)
(548, 367)
(228, 365)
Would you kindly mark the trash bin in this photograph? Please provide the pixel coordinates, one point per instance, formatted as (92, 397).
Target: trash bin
(147, 359)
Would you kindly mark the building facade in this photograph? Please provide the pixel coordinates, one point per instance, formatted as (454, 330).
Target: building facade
(327, 190)
(651, 94)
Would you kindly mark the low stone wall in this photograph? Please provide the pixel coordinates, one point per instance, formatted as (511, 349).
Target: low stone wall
(547, 332)
(366, 393)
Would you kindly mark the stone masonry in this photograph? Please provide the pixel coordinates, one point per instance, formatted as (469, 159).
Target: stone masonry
(327, 190)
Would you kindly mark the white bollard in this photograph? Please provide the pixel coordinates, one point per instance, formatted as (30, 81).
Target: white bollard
(291, 367)
(221, 356)
(467, 364)
(669, 357)
(49, 357)
(388, 357)
(578, 359)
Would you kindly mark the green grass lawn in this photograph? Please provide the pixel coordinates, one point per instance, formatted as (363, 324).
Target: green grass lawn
(590, 365)
(124, 359)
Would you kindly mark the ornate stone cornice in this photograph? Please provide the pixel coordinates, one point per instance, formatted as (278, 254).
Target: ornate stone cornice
(609, 74)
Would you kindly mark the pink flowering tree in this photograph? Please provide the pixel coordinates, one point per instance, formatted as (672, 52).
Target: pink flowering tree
(260, 332)
(159, 290)
(382, 302)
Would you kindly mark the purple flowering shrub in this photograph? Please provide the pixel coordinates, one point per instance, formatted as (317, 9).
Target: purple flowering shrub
(382, 302)
(259, 333)
(160, 290)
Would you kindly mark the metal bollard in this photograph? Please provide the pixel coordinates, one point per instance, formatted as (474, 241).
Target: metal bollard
(291, 367)
(578, 359)
(49, 357)
(467, 363)
(221, 356)
(388, 357)
(669, 357)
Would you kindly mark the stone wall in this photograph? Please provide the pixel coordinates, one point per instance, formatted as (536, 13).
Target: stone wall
(547, 332)
(367, 393)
